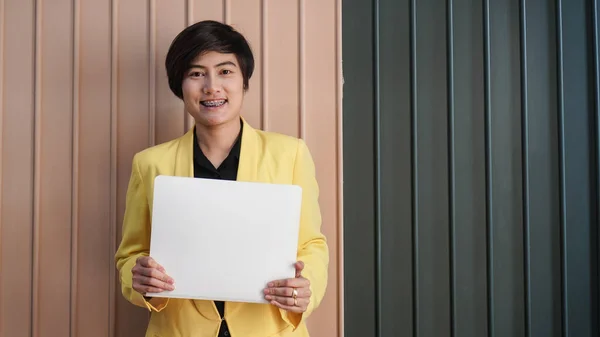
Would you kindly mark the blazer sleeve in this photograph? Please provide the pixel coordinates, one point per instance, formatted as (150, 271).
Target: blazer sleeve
(312, 244)
(135, 240)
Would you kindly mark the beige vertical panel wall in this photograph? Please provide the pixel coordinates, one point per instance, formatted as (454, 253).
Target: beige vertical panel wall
(82, 88)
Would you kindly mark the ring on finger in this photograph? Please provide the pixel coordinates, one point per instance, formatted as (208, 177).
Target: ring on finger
(295, 293)
(295, 302)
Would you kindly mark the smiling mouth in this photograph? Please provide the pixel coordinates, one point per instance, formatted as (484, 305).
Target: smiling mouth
(214, 103)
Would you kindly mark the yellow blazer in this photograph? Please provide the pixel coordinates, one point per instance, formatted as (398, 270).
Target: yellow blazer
(265, 157)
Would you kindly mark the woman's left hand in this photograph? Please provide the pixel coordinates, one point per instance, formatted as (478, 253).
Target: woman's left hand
(291, 294)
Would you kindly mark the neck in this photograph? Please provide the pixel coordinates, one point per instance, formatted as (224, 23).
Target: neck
(217, 141)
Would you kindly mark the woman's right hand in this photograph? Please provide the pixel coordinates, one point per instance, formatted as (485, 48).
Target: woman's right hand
(150, 277)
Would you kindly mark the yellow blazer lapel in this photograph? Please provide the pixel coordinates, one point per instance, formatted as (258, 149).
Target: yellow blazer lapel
(251, 156)
(184, 163)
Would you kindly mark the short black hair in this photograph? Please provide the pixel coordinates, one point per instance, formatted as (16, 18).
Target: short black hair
(202, 37)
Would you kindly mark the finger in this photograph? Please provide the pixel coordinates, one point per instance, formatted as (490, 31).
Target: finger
(292, 308)
(142, 289)
(157, 274)
(288, 292)
(299, 282)
(144, 261)
(151, 272)
(281, 299)
(148, 262)
(299, 267)
(159, 284)
(288, 301)
(153, 282)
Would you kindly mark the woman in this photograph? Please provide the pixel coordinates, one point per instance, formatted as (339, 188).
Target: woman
(209, 65)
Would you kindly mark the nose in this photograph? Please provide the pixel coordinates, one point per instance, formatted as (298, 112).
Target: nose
(211, 85)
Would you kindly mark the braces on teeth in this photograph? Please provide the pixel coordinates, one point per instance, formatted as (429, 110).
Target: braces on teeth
(213, 103)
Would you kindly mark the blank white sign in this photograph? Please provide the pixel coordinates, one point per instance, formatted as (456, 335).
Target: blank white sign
(224, 240)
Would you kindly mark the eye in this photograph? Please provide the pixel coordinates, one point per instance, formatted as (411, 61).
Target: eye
(195, 74)
(226, 72)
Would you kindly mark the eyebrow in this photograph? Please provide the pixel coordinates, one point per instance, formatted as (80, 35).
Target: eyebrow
(218, 65)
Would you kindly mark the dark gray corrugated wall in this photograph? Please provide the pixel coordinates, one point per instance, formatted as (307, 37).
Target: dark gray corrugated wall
(471, 173)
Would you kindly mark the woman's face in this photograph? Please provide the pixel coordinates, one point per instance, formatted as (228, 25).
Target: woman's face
(213, 89)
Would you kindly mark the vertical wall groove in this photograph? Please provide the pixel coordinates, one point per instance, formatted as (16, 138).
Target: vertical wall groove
(226, 11)
(152, 72)
(488, 166)
(75, 170)
(113, 167)
(596, 47)
(525, 160)
(377, 166)
(188, 120)
(451, 164)
(414, 168)
(301, 69)
(339, 164)
(561, 135)
(264, 115)
(37, 169)
(577, 164)
(2, 76)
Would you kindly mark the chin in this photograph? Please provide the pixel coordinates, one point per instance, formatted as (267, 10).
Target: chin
(214, 119)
